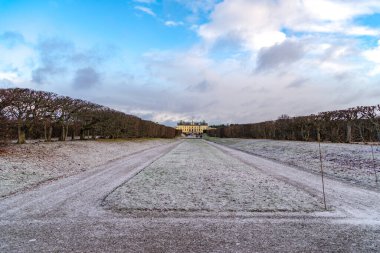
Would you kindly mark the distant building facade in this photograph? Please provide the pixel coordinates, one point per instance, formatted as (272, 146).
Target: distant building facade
(192, 127)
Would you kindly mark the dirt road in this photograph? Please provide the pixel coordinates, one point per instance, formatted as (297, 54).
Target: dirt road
(67, 216)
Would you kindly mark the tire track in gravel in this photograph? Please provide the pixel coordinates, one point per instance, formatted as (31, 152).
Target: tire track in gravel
(343, 200)
(81, 194)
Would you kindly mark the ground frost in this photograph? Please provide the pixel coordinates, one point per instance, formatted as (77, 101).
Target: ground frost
(351, 163)
(23, 166)
(198, 177)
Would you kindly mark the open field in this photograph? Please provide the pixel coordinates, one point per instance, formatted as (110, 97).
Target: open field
(191, 196)
(347, 162)
(23, 166)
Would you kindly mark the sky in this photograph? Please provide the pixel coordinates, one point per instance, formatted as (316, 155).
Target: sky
(231, 61)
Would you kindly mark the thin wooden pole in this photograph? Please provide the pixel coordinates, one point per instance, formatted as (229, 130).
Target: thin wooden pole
(373, 164)
(323, 182)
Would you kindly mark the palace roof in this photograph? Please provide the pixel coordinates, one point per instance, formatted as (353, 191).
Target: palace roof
(188, 123)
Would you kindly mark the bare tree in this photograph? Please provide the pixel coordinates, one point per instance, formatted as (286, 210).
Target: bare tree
(360, 123)
(39, 113)
(22, 108)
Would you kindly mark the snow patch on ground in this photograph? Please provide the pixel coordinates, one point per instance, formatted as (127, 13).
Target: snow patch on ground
(198, 177)
(347, 162)
(22, 166)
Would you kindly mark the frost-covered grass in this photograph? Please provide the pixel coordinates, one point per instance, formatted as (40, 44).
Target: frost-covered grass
(348, 162)
(23, 166)
(198, 177)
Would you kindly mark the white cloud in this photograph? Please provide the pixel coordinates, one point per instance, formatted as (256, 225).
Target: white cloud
(327, 10)
(336, 67)
(11, 76)
(145, 10)
(359, 31)
(15, 63)
(259, 23)
(235, 94)
(373, 55)
(250, 21)
(173, 23)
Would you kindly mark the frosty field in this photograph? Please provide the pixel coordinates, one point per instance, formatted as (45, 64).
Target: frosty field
(347, 162)
(198, 177)
(23, 166)
(184, 195)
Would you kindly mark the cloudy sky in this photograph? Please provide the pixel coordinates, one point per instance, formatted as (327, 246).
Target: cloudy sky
(231, 61)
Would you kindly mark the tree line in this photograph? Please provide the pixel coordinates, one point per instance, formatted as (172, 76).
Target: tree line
(358, 124)
(26, 113)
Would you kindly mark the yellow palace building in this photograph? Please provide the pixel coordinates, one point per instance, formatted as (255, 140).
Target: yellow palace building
(192, 127)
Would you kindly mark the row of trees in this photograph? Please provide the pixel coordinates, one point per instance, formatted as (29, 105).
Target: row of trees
(359, 124)
(26, 113)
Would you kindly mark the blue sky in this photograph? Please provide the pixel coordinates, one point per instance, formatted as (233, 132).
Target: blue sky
(232, 61)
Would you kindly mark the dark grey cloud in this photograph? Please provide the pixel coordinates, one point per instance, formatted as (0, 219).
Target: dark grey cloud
(94, 56)
(59, 56)
(86, 78)
(171, 123)
(11, 39)
(53, 54)
(200, 87)
(143, 100)
(85, 58)
(41, 75)
(56, 47)
(278, 55)
(297, 83)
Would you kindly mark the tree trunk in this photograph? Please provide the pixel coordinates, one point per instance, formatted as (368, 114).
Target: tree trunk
(62, 136)
(360, 128)
(349, 133)
(318, 134)
(66, 131)
(73, 134)
(20, 134)
(81, 134)
(377, 129)
(50, 133)
(307, 134)
(378, 134)
(45, 131)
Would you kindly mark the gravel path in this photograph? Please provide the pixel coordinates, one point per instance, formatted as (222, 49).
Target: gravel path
(343, 200)
(81, 194)
(67, 216)
(25, 166)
